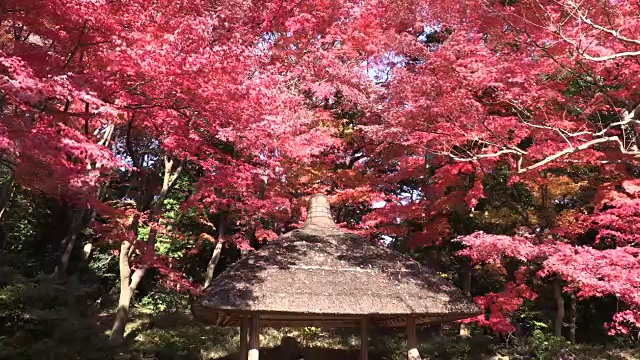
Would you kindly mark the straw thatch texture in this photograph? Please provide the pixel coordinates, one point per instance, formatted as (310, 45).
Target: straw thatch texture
(320, 276)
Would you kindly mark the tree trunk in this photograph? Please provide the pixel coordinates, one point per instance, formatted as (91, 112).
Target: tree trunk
(81, 217)
(129, 282)
(5, 237)
(70, 239)
(6, 191)
(572, 318)
(466, 289)
(214, 257)
(128, 285)
(557, 290)
(212, 264)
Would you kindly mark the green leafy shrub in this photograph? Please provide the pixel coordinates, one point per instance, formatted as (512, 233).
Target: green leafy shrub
(41, 320)
(544, 346)
(163, 300)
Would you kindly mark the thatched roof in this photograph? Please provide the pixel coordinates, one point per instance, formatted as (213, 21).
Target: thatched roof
(321, 276)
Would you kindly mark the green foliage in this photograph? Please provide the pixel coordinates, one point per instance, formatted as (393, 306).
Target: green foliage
(30, 222)
(544, 346)
(104, 265)
(163, 300)
(177, 336)
(531, 319)
(42, 320)
(393, 346)
(452, 348)
(311, 334)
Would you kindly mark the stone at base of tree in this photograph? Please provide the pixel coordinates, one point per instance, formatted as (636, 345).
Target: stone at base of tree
(464, 331)
(253, 354)
(500, 357)
(413, 354)
(566, 354)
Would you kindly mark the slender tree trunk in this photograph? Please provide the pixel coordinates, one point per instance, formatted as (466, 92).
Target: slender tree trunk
(129, 282)
(5, 237)
(466, 289)
(557, 290)
(212, 264)
(572, 318)
(215, 257)
(69, 241)
(6, 192)
(81, 217)
(439, 267)
(128, 285)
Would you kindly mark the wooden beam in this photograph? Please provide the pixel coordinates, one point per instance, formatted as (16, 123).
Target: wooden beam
(364, 338)
(321, 324)
(254, 340)
(244, 345)
(430, 319)
(412, 340)
(290, 316)
(393, 322)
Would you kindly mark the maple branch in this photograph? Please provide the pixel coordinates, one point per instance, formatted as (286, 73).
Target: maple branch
(8, 163)
(568, 151)
(176, 174)
(168, 180)
(128, 143)
(51, 111)
(575, 13)
(108, 133)
(549, 159)
(75, 49)
(610, 57)
(482, 156)
(582, 17)
(627, 117)
(613, 33)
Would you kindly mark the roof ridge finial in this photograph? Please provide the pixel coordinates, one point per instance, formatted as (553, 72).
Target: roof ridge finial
(319, 213)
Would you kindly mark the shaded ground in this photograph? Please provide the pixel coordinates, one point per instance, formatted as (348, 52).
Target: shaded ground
(53, 332)
(178, 336)
(308, 353)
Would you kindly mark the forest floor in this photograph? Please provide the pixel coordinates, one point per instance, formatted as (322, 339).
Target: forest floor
(178, 336)
(41, 321)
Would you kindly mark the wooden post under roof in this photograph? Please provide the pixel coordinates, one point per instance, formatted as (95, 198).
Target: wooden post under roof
(412, 340)
(364, 338)
(244, 345)
(254, 341)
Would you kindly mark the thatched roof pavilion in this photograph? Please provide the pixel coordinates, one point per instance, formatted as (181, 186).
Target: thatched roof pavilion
(321, 276)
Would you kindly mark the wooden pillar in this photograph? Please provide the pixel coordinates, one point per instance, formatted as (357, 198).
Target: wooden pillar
(364, 338)
(254, 341)
(244, 345)
(412, 340)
